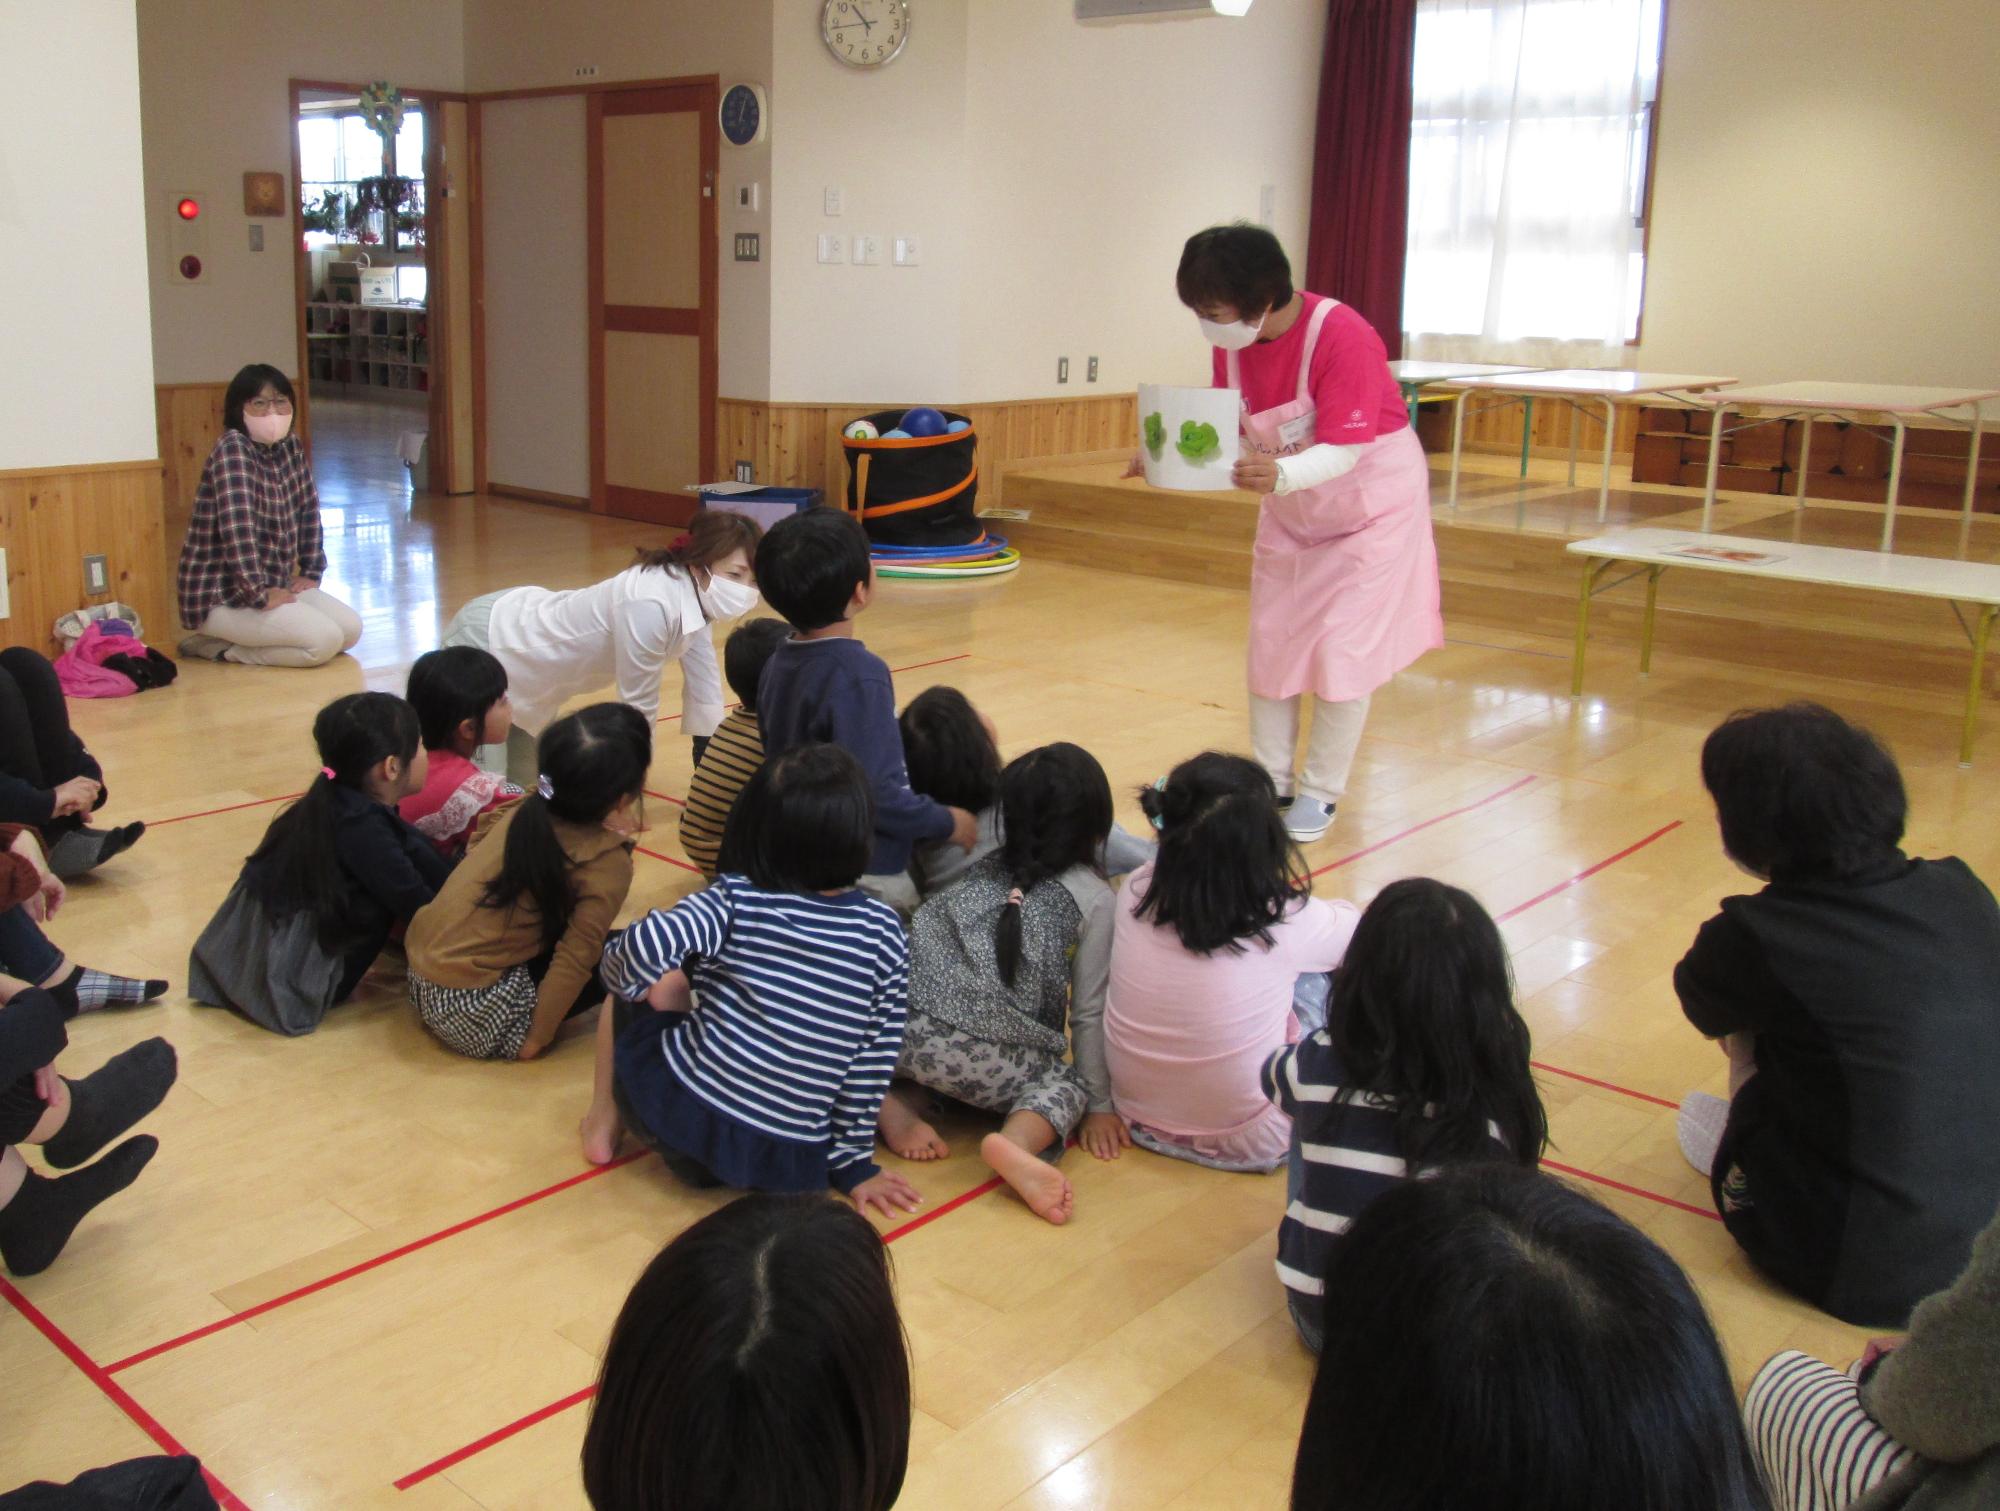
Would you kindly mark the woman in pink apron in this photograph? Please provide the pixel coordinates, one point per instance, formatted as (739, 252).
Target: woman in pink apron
(1343, 577)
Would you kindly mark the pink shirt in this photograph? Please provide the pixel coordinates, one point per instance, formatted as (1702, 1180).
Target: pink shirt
(1357, 397)
(1187, 1035)
(455, 793)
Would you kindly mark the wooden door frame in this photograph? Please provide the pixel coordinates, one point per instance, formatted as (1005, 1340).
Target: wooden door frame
(437, 309)
(708, 325)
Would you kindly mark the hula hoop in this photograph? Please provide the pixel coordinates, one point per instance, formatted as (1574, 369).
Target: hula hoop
(995, 543)
(1007, 561)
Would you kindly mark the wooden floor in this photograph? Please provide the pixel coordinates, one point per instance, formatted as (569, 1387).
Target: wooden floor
(365, 1272)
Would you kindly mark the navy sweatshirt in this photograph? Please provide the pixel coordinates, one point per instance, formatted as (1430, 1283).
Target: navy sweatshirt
(836, 691)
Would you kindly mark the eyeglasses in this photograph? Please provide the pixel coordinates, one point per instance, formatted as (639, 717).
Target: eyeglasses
(267, 406)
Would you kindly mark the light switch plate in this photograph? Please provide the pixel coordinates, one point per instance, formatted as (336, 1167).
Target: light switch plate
(907, 253)
(832, 200)
(867, 249)
(256, 237)
(749, 246)
(749, 196)
(96, 575)
(832, 247)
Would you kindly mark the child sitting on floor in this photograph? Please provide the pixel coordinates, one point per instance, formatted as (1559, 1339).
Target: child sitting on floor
(509, 948)
(1219, 958)
(1423, 1063)
(460, 695)
(736, 749)
(776, 997)
(1007, 969)
(336, 871)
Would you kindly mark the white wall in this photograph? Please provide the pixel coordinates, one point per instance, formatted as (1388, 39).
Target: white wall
(76, 382)
(537, 294)
(216, 105)
(1826, 197)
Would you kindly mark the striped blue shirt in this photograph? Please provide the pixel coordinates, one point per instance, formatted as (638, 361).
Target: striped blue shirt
(799, 1010)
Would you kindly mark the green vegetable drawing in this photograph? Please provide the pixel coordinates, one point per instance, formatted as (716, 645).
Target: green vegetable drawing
(1156, 434)
(1198, 441)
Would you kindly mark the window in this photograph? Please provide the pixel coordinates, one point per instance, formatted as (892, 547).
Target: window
(336, 151)
(1529, 152)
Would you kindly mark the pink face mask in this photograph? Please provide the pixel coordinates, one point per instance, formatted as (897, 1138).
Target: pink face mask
(268, 429)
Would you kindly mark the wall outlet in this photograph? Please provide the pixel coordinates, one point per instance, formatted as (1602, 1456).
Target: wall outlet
(832, 247)
(586, 71)
(1062, 369)
(907, 253)
(1090, 371)
(256, 237)
(6, 606)
(749, 246)
(867, 249)
(832, 200)
(96, 575)
(743, 471)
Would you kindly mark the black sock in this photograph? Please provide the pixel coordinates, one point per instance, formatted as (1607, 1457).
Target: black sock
(81, 850)
(36, 1224)
(110, 1100)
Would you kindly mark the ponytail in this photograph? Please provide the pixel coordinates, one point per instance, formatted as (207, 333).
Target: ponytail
(1055, 807)
(1227, 871)
(591, 761)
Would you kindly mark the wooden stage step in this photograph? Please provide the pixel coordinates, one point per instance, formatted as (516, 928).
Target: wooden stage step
(1501, 562)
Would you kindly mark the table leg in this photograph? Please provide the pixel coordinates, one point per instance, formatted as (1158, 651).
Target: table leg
(1986, 615)
(1972, 459)
(1895, 483)
(1527, 428)
(1646, 628)
(1604, 486)
(1575, 420)
(1592, 570)
(1410, 391)
(1457, 442)
(1714, 457)
(1805, 455)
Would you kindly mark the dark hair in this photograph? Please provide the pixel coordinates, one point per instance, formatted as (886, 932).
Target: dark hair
(1227, 871)
(710, 536)
(809, 565)
(749, 646)
(1241, 266)
(1055, 813)
(451, 685)
(1803, 795)
(592, 760)
(353, 735)
(1498, 1342)
(950, 756)
(804, 822)
(1422, 1010)
(245, 386)
(758, 1365)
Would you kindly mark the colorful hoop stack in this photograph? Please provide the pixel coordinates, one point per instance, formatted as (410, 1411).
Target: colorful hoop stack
(987, 556)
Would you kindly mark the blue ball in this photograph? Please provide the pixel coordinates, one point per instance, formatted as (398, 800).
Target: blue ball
(897, 435)
(923, 420)
(957, 427)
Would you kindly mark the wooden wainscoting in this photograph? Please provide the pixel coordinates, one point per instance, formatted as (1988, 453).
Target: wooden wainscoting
(51, 519)
(1497, 426)
(798, 445)
(190, 416)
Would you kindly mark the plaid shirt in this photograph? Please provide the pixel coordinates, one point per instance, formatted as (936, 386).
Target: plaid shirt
(255, 527)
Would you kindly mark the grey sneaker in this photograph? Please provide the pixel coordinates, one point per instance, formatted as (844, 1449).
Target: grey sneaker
(1307, 819)
(204, 647)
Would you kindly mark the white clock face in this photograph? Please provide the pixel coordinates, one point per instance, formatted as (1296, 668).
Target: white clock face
(865, 33)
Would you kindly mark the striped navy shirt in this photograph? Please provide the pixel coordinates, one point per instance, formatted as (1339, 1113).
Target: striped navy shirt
(799, 1011)
(1346, 1154)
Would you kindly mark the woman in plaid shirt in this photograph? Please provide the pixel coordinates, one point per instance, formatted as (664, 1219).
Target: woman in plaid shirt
(251, 564)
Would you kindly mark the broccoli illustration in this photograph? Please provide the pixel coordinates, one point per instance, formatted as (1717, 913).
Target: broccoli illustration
(1198, 441)
(1156, 434)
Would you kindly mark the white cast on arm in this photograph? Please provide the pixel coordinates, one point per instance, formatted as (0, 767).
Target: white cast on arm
(1315, 465)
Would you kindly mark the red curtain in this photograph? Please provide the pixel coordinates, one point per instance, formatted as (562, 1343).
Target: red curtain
(1361, 161)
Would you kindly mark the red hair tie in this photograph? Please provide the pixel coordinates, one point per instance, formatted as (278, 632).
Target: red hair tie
(681, 542)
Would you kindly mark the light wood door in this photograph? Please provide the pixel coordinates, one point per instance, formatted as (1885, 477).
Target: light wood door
(652, 299)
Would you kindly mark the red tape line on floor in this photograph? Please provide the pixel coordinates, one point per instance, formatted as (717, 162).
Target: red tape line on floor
(1586, 874)
(368, 1264)
(1618, 1185)
(1623, 1091)
(1491, 797)
(577, 1398)
(143, 1419)
(670, 860)
(666, 797)
(182, 818)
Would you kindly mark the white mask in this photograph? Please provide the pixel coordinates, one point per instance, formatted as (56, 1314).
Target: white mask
(726, 598)
(1232, 337)
(268, 429)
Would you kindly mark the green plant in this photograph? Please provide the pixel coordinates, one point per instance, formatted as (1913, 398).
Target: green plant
(329, 215)
(1156, 434)
(1198, 441)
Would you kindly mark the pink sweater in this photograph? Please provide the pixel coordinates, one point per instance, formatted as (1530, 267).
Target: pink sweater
(1186, 1035)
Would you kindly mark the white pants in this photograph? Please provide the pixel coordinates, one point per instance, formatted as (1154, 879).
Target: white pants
(309, 631)
(1336, 735)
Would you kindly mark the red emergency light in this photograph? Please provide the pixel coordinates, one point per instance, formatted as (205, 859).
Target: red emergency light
(188, 208)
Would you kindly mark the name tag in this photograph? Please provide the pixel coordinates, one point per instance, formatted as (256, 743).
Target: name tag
(1296, 434)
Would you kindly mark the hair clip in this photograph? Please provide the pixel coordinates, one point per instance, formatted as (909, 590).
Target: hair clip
(329, 773)
(544, 788)
(1015, 899)
(1159, 820)
(681, 542)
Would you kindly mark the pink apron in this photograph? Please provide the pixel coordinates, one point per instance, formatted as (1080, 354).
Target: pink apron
(1343, 577)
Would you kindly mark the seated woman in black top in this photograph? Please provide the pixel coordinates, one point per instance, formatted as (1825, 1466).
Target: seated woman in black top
(1858, 996)
(47, 779)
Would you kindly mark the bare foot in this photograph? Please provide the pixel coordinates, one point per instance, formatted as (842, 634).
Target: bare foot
(904, 1131)
(1041, 1185)
(601, 1132)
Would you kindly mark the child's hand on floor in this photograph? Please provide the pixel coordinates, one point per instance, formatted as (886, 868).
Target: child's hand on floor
(885, 1193)
(1104, 1134)
(670, 994)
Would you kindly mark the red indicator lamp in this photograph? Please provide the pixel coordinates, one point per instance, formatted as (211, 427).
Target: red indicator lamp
(188, 208)
(190, 268)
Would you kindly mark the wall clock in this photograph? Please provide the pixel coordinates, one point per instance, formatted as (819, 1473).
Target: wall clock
(865, 33)
(742, 114)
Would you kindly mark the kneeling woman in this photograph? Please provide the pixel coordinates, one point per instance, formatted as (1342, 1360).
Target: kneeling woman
(254, 554)
(624, 630)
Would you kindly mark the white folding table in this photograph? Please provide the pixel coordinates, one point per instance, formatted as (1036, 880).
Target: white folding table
(1654, 551)
(1574, 386)
(1414, 374)
(1809, 399)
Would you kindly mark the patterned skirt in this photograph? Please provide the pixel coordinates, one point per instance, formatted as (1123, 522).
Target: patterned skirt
(483, 1022)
